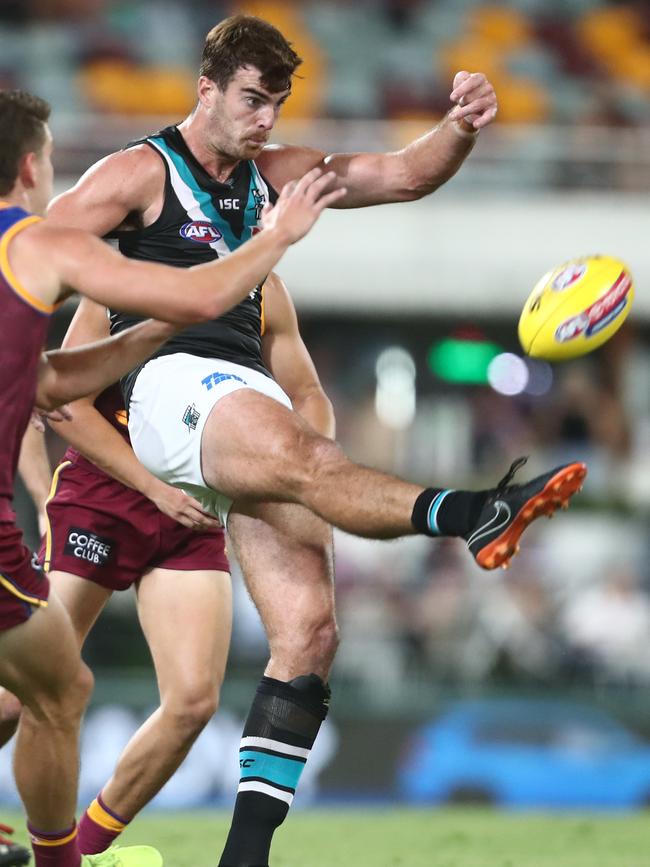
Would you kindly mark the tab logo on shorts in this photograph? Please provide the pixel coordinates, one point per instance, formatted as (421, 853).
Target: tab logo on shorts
(200, 231)
(86, 545)
(216, 378)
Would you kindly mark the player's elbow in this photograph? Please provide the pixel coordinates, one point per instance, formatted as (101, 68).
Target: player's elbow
(47, 388)
(415, 187)
(407, 183)
(50, 397)
(199, 307)
(415, 181)
(58, 387)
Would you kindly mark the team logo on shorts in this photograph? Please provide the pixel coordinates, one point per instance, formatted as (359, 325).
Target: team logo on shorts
(200, 231)
(191, 417)
(86, 545)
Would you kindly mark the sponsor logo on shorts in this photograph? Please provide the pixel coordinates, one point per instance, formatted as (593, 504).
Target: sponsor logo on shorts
(215, 378)
(599, 315)
(86, 545)
(191, 417)
(568, 277)
(200, 231)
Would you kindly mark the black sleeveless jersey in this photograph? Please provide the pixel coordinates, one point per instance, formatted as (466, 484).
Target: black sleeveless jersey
(201, 220)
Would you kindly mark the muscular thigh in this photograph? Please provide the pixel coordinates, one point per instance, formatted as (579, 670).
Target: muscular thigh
(186, 617)
(253, 447)
(83, 600)
(285, 553)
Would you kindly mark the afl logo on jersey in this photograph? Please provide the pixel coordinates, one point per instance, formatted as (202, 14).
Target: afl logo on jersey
(201, 232)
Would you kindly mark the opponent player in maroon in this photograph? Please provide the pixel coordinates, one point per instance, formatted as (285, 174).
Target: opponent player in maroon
(39, 266)
(39, 660)
(103, 536)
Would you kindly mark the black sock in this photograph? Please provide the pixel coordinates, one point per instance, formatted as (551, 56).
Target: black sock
(281, 728)
(445, 512)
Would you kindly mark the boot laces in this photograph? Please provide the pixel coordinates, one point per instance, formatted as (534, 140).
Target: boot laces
(504, 485)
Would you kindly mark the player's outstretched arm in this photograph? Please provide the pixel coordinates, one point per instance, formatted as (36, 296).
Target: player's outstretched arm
(405, 175)
(289, 360)
(48, 258)
(67, 374)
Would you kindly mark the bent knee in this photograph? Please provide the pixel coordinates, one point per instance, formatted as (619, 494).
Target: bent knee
(79, 689)
(64, 706)
(85, 683)
(190, 711)
(311, 646)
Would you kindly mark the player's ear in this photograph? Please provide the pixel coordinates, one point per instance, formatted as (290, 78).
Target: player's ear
(28, 170)
(205, 89)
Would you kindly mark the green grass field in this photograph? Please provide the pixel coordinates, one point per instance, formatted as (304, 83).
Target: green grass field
(413, 838)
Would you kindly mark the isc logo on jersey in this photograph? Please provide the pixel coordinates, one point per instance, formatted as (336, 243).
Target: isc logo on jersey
(200, 231)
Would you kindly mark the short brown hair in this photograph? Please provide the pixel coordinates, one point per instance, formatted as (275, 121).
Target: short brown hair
(245, 40)
(22, 131)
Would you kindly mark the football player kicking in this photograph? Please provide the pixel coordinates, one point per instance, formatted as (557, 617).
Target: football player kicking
(40, 265)
(192, 192)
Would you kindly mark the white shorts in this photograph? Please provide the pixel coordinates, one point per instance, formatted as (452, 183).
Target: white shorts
(170, 404)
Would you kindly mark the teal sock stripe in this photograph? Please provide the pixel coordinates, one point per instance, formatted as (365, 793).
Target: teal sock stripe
(276, 769)
(434, 508)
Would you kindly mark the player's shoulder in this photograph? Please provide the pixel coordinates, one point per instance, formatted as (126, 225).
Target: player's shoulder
(47, 236)
(43, 252)
(130, 179)
(136, 163)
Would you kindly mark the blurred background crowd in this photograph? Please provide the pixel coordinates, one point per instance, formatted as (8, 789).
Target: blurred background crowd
(584, 61)
(410, 313)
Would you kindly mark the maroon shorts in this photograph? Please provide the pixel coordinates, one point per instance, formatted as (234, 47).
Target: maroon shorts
(22, 587)
(101, 530)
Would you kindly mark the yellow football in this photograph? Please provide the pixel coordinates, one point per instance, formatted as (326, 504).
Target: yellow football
(576, 307)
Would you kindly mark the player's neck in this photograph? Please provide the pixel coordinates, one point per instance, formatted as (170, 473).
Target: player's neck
(17, 198)
(216, 163)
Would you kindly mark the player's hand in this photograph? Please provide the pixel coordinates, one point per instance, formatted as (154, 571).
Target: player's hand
(61, 413)
(301, 203)
(476, 101)
(181, 507)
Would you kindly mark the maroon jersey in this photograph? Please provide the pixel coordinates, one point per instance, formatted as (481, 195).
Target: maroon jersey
(24, 322)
